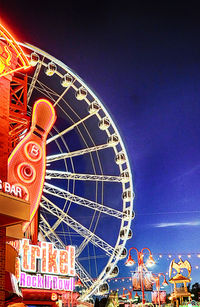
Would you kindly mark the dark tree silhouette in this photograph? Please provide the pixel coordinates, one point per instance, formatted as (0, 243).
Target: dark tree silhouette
(195, 290)
(103, 302)
(96, 304)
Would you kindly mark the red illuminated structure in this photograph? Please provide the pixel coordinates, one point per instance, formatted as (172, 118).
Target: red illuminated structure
(13, 211)
(157, 283)
(127, 294)
(141, 266)
(24, 169)
(19, 122)
(7, 51)
(22, 172)
(27, 162)
(47, 297)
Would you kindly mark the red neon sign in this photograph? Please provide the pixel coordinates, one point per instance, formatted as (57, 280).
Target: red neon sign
(6, 54)
(53, 261)
(27, 162)
(45, 267)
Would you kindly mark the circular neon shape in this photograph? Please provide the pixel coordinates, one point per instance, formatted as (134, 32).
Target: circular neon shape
(26, 172)
(33, 151)
(54, 297)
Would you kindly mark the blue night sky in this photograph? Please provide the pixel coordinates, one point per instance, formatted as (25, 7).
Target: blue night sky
(143, 61)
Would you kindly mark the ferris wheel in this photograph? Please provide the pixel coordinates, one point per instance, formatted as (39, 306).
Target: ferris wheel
(88, 192)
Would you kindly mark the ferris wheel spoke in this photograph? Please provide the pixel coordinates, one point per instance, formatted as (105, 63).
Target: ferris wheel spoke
(61, 96)
(48, 232)
(46, 91)
(82, 246)
(33, 81)
(84, 276)
(53, 138)
(53, 190)
(71, 154)
(80, 229)
(53, 174)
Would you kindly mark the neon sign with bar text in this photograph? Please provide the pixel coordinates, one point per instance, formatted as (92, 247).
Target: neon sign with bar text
(11, 189)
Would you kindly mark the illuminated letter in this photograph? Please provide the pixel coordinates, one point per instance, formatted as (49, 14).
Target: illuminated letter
(64, 262)
(28, 281)
(72, 260)
(44, 258)
(52, 265)
(12, 190)
(47, 281)
(35, 253)
(17, 268)
(23, 280)
(55, 283)
(7, 187)
(66, 284)
(60, 284)
(35, 151)
(25, 249)
(72, 284)
(18, 192)
(40, 281)
(34, 281)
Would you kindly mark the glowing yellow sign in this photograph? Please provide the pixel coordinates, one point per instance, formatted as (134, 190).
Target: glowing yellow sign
(5, 56)
(178, 266)
(8, 48)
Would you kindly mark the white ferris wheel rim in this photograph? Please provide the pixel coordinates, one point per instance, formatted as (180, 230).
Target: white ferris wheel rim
(114, 258)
